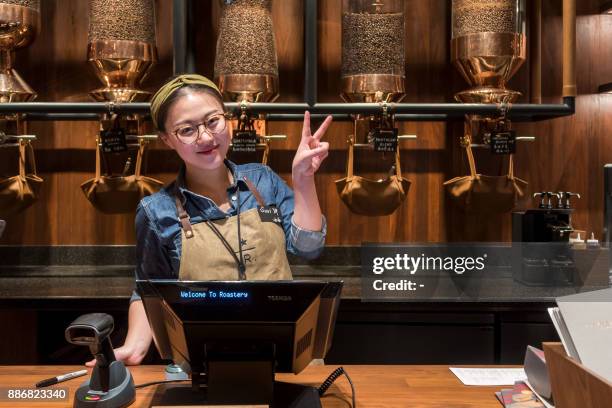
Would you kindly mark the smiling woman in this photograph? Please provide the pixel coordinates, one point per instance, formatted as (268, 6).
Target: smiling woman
(219, 220)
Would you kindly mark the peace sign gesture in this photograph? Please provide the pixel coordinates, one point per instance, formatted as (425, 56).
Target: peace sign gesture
(311, 152)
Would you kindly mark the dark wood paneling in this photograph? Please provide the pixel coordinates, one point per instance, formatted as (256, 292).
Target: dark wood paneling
(18, 342)
(56, 67)
(568, 155)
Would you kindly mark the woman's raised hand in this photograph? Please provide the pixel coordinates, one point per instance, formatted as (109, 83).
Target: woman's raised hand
(311, 152)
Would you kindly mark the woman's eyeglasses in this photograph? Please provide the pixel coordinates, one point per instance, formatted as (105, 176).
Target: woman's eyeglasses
(189, 134)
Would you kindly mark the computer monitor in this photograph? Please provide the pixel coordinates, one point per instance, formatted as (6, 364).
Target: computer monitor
(232, 336)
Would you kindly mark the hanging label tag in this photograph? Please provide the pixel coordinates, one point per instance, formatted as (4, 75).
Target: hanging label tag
(270, 214)
(385, 140)
(244, 141)
(113, 140)
(503, 142)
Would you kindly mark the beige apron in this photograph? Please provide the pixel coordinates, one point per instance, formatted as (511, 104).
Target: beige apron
(205, 256)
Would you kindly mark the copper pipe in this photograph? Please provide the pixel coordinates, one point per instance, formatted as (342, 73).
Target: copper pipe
(569, 48)
(535, 51)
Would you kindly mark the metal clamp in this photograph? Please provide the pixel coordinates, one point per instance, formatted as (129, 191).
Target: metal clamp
(146, 138)
(4, 138)
(526, 138)
(503, 107)
(244, 107)
(518, 138)
(245, 122)
(274, 137)
(112, 106)
(385, 109)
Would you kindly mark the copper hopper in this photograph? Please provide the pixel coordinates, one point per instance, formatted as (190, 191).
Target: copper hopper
(246, 66)
(488, 46)
(121, 47)
(373, 51)
(19, 25)
(373, 71)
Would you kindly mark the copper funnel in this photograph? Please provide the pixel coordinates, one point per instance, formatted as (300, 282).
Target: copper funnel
(373, 88)
(121, 65)
(487, 61)
(248, 87)
(18, 28)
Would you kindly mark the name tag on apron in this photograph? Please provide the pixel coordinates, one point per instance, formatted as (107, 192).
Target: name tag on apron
(270, 214)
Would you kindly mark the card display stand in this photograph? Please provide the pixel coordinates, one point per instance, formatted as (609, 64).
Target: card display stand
(574, 385)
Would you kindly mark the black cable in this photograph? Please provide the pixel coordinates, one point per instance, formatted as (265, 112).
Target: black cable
(330, 380)
(241, 266)
(158, 382)
(223, 241)
(239, 261)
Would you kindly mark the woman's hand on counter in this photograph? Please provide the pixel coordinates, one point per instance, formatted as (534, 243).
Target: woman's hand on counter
(138, 339)
(130, 354)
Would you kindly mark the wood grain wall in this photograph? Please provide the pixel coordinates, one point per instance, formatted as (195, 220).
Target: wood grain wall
(568, 154)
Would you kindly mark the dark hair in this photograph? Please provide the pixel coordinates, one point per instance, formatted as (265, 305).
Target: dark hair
(165, 107)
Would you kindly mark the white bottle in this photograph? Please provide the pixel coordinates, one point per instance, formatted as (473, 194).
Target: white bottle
(577, 243)
(592, 242)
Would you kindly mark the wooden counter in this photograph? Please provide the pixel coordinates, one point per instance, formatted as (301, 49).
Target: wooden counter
(376, 386)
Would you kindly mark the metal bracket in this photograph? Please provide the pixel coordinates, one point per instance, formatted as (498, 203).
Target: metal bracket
(385, 110)
(487, 145)
(4, 138)
(274, 137)
(146, 138)
(112, 106)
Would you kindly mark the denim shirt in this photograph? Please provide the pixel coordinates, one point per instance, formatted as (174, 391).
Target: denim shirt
(158, 231)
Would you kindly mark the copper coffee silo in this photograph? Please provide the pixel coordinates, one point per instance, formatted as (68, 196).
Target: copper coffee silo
(488, 46)
(246, 66)
(121, 47)
(19, 25)
(373, 50)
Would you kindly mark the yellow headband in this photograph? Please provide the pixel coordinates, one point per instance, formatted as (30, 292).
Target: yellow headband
(170, 87)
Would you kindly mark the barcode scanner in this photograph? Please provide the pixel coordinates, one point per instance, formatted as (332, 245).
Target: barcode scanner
(111, 384)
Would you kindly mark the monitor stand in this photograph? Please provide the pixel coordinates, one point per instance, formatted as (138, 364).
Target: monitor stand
(286, 395)
(235, 383)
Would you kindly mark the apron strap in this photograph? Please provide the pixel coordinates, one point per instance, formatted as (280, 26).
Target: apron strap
(186, 226)
(254, 191)
(183, 216)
